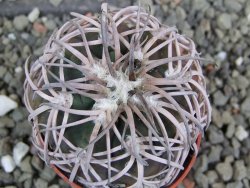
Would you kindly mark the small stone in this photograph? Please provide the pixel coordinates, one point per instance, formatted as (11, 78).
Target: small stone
(239, 61)
(19, 152)
(56, 3)
(5, 147)
(10, 186)
(232, 5)
(40, 183)
(6, 104)
(229, 159)
(237, 184)
(12, 36)
(8, 163)
(22, 129)
(24, 176)
(39, 27)
(212, 176)
(245, 107)
(230, 130)
(28, 183)
(201, 180)
(180, 13)
(25, 165)
(37, 163)
(222, 55)
(20, 22)
(54, 186)
(33, 15)
(3, 70)
(225, 171)
(224, 21)
(215, 154)
(215, 136)
(241, 133)
(50, 24)
(48, 174)
(218, 185)
(219, 98)
(240, 170)
(242, 82)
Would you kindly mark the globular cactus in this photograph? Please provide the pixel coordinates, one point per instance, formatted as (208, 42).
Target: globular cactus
(117, 100)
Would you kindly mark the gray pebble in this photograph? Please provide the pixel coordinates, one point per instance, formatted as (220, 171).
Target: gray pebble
(240, 170)
(20, 22)
(6, 122)
(25, 165)
(5, 147)
(3, 70)
(225, 171)
(215, 153)
(224, 21)
(219, 98)
(201, 179)
(48, 174)
(232, 5)
(22, 129)
(218, 185)
(40, 183)
(237, 184)
(242, 82)
(215, 135)
(212, 176)
(230, 130)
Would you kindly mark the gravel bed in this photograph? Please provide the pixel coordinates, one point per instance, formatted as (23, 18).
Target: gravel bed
(221, 30)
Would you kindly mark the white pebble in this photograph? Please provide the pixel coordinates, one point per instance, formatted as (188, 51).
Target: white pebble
(12, 36)
(8, 163)
(18, 69)
(239, 61)
(6, 105)
(34, 14)
(222, 55)
(19, 151)
(241, 133)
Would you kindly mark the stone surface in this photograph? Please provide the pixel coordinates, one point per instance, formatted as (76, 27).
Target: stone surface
(241, 133)
(225, 171)
(19, 152)
(34, 14)
(6, 104)
(219, 98)
(20, 22)
(224, 21)
(240, 170)
(8, 163)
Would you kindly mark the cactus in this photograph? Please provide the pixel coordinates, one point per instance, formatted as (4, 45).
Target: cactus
(117, 100)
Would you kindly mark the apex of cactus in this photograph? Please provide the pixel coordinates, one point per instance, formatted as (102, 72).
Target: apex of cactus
(118, 100)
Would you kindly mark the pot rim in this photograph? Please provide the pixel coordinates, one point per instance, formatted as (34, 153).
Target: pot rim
(173, 185)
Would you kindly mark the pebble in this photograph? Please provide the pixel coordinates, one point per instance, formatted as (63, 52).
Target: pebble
(245, 107)
(219, 98)
(20, 22)
(237, 184)
(56, 3)
(40, 183)
(47, 174)
(19, 152)
(5, 147)
(33, 15)
(230, 130)
(240, 170)
(239, 61)
(215, 136)
(212, 176)
(218, 185)
(214, 154)
(6, 104)
(225, 170)
(23, 129)
(242, 82)
(222, 55)
(241, 133)
(8, 163)
(224, 21)
(233, 5)
(39, 27)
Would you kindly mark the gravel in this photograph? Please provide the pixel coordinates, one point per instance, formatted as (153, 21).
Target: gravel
(221, 30)
(225, 170)
(19, 152)
(8, 163)
(7, 104)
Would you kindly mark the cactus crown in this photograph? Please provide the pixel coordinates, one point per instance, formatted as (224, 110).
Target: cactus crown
(117, 100)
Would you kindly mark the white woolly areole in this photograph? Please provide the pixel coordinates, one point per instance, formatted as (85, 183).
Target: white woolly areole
(138, 55)
(64, 99)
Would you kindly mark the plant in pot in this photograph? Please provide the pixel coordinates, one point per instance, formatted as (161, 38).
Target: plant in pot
(117, 100)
